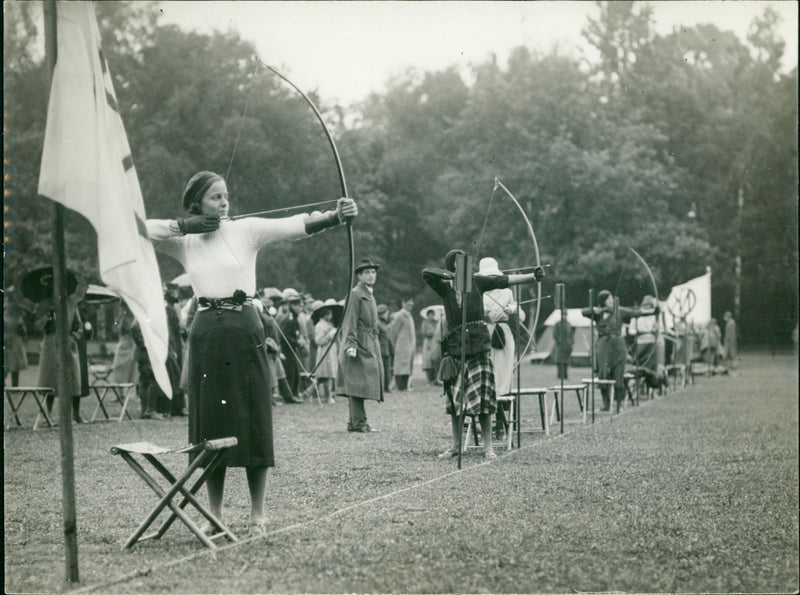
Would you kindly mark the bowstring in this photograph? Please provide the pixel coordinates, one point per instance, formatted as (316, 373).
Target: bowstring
(249, 277)
(485, 222)
(241, 120)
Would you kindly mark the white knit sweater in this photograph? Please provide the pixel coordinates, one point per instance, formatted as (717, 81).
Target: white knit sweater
(222, 261)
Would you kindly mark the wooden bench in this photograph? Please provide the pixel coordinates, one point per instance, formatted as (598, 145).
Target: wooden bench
(557, 408)
(516, 419)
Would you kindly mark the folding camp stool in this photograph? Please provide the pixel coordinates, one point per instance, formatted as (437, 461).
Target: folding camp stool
(555, 410)
(208, 454)
(599, 383)
(39, 394)
(121, 394)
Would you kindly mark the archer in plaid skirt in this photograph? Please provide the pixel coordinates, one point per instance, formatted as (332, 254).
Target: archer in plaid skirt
(479, 394)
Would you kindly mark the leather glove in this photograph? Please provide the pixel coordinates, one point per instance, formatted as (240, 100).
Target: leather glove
(198, 224)
(538, 273)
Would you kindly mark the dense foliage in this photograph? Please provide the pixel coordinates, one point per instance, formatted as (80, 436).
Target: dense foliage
(602, 156)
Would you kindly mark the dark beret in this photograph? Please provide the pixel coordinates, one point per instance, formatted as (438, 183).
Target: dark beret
(197, 187)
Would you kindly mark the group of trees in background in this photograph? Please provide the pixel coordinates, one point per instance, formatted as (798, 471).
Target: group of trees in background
(602, 155)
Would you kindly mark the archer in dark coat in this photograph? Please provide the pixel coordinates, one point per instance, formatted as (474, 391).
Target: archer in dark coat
(610, 351)
(360, 367)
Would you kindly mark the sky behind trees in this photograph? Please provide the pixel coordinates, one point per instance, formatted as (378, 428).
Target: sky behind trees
(348, 49)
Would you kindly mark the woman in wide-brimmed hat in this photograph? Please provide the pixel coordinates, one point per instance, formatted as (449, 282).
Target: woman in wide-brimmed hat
(326, 317)
(229, 379)
(500, 306)
(36, 289)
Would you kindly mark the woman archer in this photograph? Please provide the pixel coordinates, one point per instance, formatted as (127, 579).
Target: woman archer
(230, 385)
(479, 390)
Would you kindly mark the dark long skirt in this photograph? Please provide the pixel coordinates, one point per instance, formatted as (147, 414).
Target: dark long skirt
(230, 385)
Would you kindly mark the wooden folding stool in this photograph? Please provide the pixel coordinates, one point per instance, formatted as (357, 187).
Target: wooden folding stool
(208, 454)
(39, 394)
(121, 393)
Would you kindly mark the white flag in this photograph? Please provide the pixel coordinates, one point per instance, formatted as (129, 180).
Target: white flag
(692, 300)
(87, 167)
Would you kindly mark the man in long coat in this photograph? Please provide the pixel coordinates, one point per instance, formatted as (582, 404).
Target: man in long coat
(731, 343)
(404, 338)
(360, 374)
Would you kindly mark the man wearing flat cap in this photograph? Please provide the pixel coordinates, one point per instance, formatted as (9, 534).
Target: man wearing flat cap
(360, 367)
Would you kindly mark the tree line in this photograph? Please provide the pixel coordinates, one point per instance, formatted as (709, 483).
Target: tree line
(601, 154)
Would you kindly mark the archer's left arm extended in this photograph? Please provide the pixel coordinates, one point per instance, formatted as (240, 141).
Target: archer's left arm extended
(346, 210)
(627, 314)
(535, 276)
(263, 231)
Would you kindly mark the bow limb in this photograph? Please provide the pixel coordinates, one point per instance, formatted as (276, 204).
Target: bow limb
(649, 272)
(655, 294)
(343, 187)
(531, 233)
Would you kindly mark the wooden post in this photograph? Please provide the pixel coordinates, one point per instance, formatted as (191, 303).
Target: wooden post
(63, 355)
(591, 344)
(463, 283)
(518, 397)
(561, 299)
(613, 391)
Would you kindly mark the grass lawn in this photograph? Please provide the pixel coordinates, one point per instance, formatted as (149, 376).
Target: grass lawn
(693, 492)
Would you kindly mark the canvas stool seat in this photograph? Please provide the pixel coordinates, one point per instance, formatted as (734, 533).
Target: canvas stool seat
(207, 456)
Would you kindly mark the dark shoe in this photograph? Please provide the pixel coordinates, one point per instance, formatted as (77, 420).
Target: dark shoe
(292, 399)
(78, 419)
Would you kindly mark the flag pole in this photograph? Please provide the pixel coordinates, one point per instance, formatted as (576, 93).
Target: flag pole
(63, 354)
